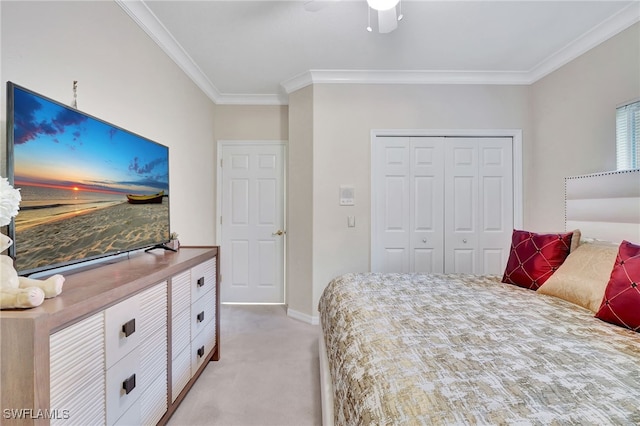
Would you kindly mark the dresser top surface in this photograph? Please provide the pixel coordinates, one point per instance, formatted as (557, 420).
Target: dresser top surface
(90, 290)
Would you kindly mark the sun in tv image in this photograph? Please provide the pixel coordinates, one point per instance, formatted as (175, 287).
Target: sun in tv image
(88, 188)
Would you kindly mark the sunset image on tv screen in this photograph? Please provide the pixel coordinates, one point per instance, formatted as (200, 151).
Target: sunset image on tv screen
(88, 188)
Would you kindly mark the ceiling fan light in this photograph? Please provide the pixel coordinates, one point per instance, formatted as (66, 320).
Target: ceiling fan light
(382, 4)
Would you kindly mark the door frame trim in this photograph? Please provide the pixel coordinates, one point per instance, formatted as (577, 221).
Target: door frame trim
(515, 134)
(221, 143)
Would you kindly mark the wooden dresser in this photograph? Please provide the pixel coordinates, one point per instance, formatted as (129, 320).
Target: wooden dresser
(121, 345)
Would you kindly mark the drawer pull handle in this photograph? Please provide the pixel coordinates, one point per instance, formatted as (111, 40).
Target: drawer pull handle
(200, 351)
(129, 384)
(200, 316)
(201, 282)
(129, 327)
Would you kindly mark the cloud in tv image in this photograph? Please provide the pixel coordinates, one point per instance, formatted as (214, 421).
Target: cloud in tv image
(88, 188)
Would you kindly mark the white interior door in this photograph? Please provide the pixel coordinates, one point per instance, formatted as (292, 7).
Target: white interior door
(252, 223)
(441, 204)
(479, 204)
(408, 229)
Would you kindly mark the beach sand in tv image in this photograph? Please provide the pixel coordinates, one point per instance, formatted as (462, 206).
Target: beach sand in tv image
(75, 174)
(87, 232)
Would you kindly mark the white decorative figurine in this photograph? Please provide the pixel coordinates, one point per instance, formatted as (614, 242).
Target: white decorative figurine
(16, 291)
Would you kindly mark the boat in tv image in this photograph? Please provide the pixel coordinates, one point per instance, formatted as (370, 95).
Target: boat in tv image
(89, 189)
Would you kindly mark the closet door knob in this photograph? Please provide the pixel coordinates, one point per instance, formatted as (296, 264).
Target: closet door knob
(464, 241)
(424, 240)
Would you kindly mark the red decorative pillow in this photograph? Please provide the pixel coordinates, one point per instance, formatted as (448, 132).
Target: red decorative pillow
(535, 257)
(621, 301)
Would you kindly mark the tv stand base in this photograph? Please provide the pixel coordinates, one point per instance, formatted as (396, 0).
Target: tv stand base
(161, 246)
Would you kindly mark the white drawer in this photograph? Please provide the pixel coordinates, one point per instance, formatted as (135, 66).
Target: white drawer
(124, 314)
(180, 372)
(202, 312)
(131, 417)
(203, 279)
(180, 292)
(201, 345)
(118, 400)
(180, 332)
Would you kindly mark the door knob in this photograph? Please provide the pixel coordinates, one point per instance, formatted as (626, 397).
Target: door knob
(278, 233)
(424, 240)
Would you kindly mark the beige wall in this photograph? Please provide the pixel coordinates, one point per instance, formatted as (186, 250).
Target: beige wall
(344, 116)
(573, 119)
(300, 212)
(124, 78)
(567, 120)
(251, 122)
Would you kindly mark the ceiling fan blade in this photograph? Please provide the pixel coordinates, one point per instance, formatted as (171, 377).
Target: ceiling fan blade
(387, 20)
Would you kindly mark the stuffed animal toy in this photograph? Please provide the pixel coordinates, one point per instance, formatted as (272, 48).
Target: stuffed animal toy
(16, 291)
(23, 292)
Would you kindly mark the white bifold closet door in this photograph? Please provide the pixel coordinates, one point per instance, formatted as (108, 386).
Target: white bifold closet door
(441, 204)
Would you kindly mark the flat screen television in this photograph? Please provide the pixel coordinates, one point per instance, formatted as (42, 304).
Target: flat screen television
(89, 189)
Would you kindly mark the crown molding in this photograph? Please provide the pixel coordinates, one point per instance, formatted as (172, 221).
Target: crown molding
(597, 35)
(602, 32)
(149, 22)
(403, 77)
(238, 99)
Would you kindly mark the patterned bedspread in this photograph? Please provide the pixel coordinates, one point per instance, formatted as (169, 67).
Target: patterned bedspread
(463, 349)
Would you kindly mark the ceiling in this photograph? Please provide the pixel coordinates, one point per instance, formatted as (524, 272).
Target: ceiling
(256, 52)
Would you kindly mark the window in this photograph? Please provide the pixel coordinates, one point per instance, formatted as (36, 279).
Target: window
(628, 136)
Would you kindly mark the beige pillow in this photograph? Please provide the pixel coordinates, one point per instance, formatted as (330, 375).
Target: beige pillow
(575, 240)
(584, 275)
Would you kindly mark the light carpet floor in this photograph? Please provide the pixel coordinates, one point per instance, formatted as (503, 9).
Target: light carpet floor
(267, 375)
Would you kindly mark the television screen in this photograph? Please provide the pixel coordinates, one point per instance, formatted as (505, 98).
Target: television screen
(89, 189)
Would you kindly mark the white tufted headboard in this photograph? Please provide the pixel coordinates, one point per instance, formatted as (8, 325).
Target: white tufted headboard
(605, 205)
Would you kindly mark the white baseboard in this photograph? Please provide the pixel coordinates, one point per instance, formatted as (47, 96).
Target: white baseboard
(313, 320)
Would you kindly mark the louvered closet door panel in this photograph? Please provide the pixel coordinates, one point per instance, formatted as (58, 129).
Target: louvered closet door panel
(392, 163)
(77, 380)
(427, 198)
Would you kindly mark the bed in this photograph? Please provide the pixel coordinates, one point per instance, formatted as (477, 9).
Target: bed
(465, 349)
